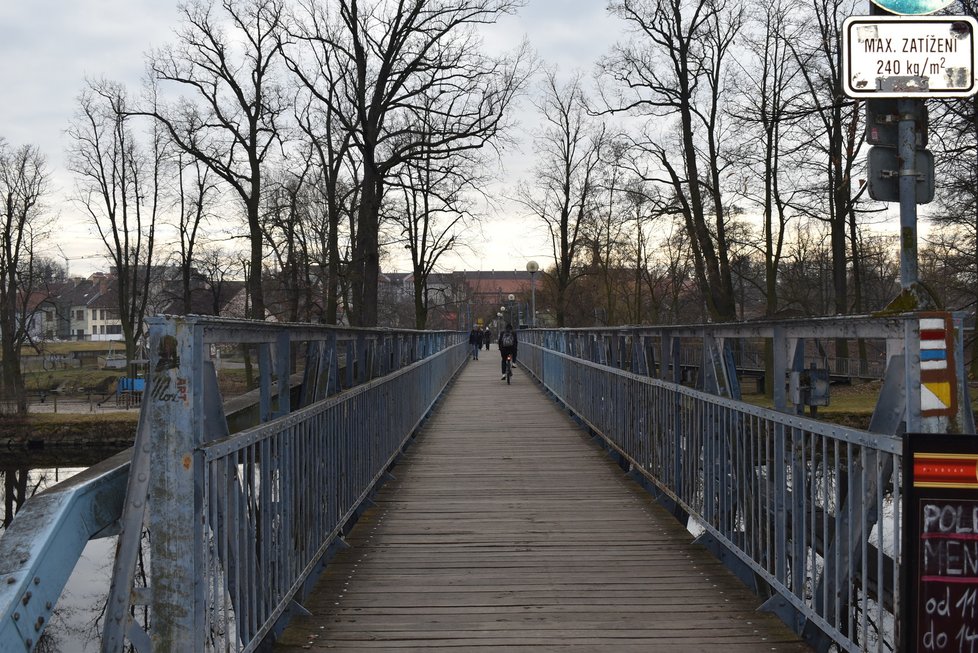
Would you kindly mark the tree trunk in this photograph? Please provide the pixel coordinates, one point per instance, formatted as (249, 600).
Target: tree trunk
(420, 305)
(14, 394)
(366, 263)
(13, 397)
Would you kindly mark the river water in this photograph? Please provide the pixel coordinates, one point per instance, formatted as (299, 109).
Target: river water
(76, 623)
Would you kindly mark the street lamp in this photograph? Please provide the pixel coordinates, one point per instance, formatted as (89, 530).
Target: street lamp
(512, 314)
(533, 267)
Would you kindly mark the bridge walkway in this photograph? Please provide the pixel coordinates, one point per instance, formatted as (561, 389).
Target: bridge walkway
(507, 527)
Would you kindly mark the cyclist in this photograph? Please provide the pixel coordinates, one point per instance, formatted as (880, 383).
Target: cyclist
(508, 344)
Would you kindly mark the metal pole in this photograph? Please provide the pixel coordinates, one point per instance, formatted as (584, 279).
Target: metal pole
(907, 142)
(533, 300)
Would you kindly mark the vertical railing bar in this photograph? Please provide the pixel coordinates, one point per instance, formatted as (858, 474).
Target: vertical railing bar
(730, 462)
(267, 469)
(260, 492)
(250, 512)
(880, 553)
(755, 498)
(849, 561)
(864, 543)
(740, 452)
(827, 511)
(265, 381)
(812, 545)
(227, 534)
(840, 537)
(898, 553)
(765, 503)
(751, 533)
(239, 539)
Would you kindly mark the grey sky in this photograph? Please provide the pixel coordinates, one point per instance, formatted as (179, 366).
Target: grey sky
(49, 47)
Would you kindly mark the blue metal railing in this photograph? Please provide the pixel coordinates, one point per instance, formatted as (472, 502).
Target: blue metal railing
(238, 522)
(805, 511)
(41, 546)
(277, 496)
(249, 515)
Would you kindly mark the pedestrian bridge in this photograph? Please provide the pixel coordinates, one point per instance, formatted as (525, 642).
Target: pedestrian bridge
(380, 490)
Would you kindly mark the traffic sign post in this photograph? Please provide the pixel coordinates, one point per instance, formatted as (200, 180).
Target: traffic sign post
(905, 59)
(907, 148)
(900, 57)
(884, 174)
(883, 122)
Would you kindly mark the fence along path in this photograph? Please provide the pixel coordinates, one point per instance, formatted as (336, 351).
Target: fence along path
(506, 527)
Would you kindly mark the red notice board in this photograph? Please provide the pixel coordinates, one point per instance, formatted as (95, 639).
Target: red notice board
(940, 543)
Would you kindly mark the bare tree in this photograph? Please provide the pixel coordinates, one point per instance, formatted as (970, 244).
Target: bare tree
(834, 126)
(385, 57)
(770, 143)
(217, 268)
(566, 181)
(669, 278)
(678, 67)
(433, 211)
(953, 250)
(195, 192)
(23, 185)
(224, 61)
(289, 233)
(805, 280)
(119, 186)
(336, 186)
(643, 204)
(607, 234)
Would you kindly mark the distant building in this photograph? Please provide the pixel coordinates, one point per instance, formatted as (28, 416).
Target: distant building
(88, 309)
(456, 298)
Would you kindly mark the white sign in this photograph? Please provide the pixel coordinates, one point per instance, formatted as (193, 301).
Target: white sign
(923, 56)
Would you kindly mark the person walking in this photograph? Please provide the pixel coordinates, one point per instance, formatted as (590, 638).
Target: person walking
(508, 344)
(475, 341)
(487, 337)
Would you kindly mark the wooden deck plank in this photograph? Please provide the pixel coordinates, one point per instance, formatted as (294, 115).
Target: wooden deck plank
(506, 528)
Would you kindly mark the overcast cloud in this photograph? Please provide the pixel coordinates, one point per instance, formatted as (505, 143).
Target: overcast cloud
(49, 47)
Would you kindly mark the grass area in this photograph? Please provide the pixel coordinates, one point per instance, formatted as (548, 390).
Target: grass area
(68, 346)
(849, 405)
(83, 379)
(98, 382)
(71, 419)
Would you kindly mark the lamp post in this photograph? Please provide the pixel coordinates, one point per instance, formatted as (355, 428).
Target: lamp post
(512, 298)
(532, 267)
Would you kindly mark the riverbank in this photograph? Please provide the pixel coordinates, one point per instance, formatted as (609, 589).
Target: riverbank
(42, 431)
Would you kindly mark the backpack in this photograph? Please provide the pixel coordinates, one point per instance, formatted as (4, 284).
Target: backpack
(506, 340)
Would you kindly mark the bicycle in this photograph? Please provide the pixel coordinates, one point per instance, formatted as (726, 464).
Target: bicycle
(509, 368)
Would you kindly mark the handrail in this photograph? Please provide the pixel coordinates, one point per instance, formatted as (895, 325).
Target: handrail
(809, 511)
(41, 547)
(240, 522)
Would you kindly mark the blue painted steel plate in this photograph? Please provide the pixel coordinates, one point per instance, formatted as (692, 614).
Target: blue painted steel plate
(912, 7)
